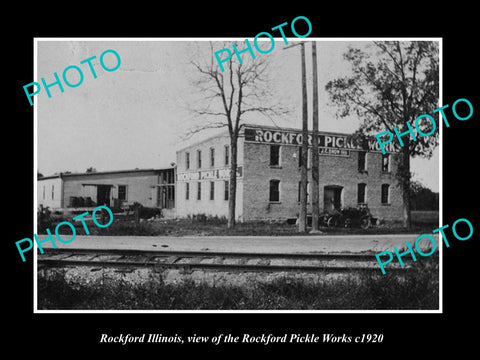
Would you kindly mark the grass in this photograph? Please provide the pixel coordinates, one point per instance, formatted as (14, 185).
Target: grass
(218, 227)
(417, 289)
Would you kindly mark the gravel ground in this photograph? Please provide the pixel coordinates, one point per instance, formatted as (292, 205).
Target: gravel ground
(86, 275)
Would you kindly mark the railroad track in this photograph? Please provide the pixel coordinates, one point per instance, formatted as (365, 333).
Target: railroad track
(213, 261)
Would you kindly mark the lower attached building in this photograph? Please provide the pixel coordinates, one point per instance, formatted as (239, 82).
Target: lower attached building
(116, 189)
(352, 172)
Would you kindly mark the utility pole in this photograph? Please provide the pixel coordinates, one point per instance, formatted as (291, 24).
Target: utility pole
(315, 159)
(302, 221)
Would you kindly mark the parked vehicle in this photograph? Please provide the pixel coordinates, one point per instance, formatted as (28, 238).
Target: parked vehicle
(348, 217)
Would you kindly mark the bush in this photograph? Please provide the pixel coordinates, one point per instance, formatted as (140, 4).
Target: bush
(44, 219)
(148, 212)
(145, 212)
(207, 219)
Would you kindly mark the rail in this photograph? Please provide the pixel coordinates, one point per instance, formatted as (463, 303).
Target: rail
(215, 261)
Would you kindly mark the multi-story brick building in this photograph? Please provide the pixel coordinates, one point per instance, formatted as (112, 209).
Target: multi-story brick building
(268, 176)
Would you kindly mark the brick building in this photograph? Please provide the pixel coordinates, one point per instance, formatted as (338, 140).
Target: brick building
(352, 172)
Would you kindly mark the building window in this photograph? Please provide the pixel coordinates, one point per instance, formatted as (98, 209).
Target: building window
(199, 159)
(212, 157)
(386, 163)
(187, 160)
(212, 190)
(171, 196)
(53, 190)
(274, 155)
(122, 192)
(227, 190)
(187, 191)
(385, 194)
(167, 177)
(361, 192)
(300, 191)
(274, 191)
(199, 191)
(362, 161)
(227, 154)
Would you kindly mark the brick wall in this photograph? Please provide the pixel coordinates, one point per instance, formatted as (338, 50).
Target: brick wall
(218, 206)
(258, 174)
(339, 171)
(253, 190)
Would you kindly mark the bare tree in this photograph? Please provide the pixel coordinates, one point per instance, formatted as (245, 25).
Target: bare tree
(227, 96)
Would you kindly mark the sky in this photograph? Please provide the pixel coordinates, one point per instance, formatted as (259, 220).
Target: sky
(137, 115)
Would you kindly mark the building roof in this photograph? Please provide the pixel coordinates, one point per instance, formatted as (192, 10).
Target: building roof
(64, 175)
(223, 133)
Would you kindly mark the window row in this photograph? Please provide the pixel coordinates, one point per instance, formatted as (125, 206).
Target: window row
(362, 193)
(122, 192)
(52, 193)
(275, 159)
(211, 185)
(362, 162)
(274, 192)
(226, 157)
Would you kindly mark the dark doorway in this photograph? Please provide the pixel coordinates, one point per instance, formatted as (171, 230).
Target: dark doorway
(332, 197)
(103, 195)
(166, 196)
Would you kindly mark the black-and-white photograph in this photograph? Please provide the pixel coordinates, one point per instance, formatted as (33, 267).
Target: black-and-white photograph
(290, 174)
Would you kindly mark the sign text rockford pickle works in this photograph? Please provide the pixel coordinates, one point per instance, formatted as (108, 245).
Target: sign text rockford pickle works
(329, 144)
(215, 174)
